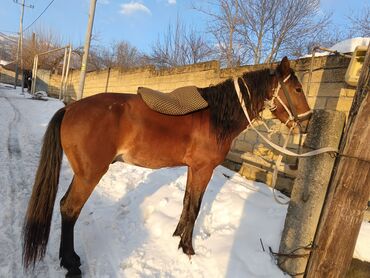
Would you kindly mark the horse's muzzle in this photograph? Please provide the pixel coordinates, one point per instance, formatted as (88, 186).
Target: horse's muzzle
(304, 121)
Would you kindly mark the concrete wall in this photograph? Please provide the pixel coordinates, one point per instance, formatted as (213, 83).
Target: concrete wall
(249, 153)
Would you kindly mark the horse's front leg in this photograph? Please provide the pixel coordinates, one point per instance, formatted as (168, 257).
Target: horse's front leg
(196, 184)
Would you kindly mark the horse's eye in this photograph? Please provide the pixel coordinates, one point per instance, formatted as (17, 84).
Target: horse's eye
(298, 90)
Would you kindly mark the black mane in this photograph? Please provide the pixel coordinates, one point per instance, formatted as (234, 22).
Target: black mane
(226, 112)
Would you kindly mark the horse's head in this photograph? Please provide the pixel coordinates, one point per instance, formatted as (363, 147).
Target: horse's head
(287, 100)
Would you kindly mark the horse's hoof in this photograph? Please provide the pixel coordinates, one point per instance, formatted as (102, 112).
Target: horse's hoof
(74, 272)
(186, 249)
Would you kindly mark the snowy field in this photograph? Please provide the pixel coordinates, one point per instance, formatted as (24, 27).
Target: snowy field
(125, 229)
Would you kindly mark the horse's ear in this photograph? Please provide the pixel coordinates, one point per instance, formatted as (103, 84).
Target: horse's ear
(284, 66)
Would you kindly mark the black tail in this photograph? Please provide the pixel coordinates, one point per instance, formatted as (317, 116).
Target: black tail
(36, 225)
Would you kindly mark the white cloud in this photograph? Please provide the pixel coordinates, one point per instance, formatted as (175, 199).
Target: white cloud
(104, 2)
(171, 2)
(133, 7)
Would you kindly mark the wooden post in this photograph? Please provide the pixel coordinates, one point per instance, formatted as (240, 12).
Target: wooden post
(348, 193)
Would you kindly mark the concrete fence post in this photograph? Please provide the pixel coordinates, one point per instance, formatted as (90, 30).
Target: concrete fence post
(309, 189)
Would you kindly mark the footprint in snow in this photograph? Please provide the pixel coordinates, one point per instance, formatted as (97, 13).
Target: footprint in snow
(148, 211)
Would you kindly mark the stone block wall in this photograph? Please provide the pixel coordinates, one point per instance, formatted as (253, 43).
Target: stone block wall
(7, 76)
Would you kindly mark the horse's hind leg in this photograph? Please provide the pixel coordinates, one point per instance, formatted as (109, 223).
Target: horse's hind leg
(195, 186)
(70, 207)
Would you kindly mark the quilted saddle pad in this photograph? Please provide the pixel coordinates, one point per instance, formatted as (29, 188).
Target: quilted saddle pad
(181, 101)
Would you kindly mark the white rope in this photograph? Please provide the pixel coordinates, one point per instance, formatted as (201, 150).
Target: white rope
(276, 170)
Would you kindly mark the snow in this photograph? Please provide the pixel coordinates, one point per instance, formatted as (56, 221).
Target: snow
(345, 46)
(350, 45)
(362, 250)
(125, 228)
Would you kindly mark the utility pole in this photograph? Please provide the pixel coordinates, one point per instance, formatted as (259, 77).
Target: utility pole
(86, 48)
(20, 43)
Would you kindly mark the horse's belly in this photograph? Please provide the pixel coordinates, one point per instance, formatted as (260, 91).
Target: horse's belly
(151, 158)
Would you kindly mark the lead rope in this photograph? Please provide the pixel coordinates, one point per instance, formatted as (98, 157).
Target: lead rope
(276, 169)
(281, 150)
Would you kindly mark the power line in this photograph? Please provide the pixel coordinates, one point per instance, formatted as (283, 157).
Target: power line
(51, 2)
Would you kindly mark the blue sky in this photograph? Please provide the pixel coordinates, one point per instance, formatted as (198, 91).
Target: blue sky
(136, 21)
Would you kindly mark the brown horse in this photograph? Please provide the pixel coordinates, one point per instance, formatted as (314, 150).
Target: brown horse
(99, 130)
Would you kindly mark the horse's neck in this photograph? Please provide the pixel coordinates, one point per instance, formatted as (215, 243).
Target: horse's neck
(226, 113)
(253, 100)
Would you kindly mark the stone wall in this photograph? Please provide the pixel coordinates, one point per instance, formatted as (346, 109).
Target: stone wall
(7, 76)
(249, 154)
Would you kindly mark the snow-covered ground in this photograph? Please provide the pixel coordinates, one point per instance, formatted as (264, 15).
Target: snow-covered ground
(125, 229)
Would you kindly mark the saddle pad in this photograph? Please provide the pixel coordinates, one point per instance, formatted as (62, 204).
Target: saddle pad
(179, 102)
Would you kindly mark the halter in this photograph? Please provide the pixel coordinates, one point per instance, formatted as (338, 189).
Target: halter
(292, 112)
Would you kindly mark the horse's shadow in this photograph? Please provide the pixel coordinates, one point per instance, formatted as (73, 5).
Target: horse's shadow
(115, 236)
(259, 229)
(106, 223)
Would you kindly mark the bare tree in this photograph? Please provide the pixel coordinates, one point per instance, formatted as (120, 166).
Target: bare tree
(326, 38)
(179, 46)
(293, 22)
(360, 22)
(262, 30)
(40, 41)
(126, 56)
(256, 23)
(223, 21)
(359, 25)
(118, 54)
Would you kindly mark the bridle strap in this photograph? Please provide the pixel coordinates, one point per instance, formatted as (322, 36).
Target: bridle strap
(287, 96)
